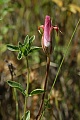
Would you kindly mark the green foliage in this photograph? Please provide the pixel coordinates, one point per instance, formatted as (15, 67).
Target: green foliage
(12, 47)
(24, 49)
(33, 48)
(17, 86)
(26, 40)
(27, 116)
(19, 57)
(36, 91)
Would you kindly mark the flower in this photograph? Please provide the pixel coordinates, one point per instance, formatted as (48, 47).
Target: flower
(46, 36)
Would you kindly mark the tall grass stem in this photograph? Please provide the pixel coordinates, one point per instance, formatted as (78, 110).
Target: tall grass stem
(64, 58)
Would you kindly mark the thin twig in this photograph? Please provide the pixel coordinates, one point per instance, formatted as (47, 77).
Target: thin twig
(45, 85)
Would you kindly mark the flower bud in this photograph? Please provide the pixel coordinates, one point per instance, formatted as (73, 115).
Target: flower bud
(46, 36)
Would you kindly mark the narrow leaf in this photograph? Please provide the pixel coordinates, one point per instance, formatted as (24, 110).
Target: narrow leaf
(36, 91)
(12, 47)
(16, 85)
(26, 40)
(33, 48)
(27, 116)
(19, 44)
(26, 52)
(19, 57)
(31, 39)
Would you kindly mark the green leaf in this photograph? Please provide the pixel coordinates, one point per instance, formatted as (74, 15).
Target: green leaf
(33, 48)
(20, 54)
(26, 52)
(27, 116)
(36, 91)
(16, 85)
(26, 40)
(31, 40)
(12, 47)
(19, 44)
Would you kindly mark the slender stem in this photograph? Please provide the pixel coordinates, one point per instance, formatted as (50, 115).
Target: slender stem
(25, 104)
(11, 70)
(63, 60)
(27, 88)
(67, 48)
(16, 100)
(45, 85)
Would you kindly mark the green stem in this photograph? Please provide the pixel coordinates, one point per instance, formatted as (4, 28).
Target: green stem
(63, 58)
(25, 104)
(38, 117)
(62, 62)
(27, 88)
(16, 100)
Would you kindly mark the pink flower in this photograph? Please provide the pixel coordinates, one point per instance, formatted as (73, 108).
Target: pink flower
(46, 37)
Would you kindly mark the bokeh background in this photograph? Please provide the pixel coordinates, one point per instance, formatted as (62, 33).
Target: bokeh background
(21, 17)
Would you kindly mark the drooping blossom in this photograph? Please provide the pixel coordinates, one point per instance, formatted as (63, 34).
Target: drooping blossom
(46, 36)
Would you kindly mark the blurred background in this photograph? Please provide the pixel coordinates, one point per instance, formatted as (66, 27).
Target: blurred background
(21, 17)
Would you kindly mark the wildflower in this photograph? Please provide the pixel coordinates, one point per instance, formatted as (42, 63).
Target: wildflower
(46, 36)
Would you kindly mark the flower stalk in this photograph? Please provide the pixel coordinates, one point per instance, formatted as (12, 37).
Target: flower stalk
(45, 86)
(47, 48)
